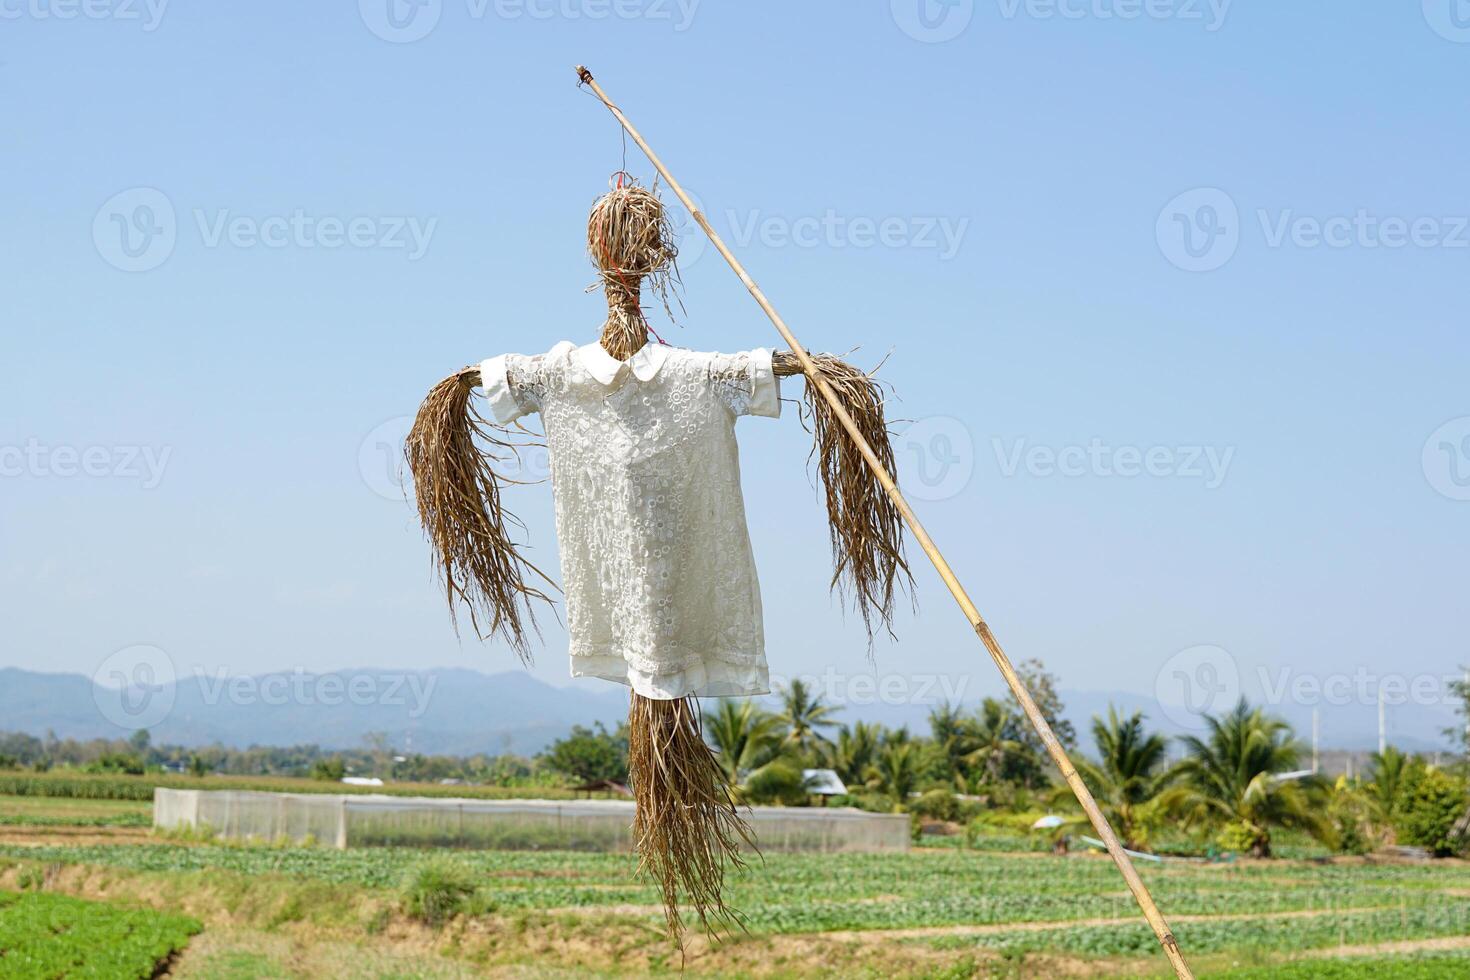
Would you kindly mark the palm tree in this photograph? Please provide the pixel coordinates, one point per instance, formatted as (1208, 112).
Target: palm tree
(745, 736)
(804, 714)
(897, 770)
(1230, 778)
(1391, 773)
(954, 734)
(1129, 775)
(853, 755)
(992, 746)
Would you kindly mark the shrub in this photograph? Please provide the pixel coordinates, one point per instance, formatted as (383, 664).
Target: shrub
(438, 891)
(938, 804)
(776, 782)
(329, 770)
(1433, 802)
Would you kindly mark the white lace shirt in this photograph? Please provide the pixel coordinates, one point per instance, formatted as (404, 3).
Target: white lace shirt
(660, 583)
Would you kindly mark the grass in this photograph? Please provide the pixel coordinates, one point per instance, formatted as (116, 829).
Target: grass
(67, 784)
(44, 935)
(28, 811)
(937, 911)
(1418, 966)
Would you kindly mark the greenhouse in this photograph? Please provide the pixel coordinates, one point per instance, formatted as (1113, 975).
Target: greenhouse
(353, 820)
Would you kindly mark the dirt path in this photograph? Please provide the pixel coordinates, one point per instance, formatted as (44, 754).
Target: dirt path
(1442, 944)
(919, 932)
(62, 836)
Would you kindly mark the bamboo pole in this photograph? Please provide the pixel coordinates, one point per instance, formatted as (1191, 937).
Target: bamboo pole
(1028, 704)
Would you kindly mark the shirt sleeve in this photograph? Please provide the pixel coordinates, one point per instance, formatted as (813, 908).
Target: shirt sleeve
(509, 399)
(746, 383)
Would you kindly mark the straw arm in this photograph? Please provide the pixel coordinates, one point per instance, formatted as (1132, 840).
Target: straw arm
(972, 614)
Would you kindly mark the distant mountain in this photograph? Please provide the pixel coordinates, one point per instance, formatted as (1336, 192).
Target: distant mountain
(456, 711)
(450, 711)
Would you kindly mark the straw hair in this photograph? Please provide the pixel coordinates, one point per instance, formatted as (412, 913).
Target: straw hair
(866, 529)
(451, 451)
(630, 239)
(687, 827)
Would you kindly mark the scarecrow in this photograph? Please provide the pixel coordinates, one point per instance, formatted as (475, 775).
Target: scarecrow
(656, 565)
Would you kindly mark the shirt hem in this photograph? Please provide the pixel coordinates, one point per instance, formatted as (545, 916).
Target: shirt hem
(709, 680)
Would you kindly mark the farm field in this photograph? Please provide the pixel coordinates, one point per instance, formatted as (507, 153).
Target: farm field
(946, 911)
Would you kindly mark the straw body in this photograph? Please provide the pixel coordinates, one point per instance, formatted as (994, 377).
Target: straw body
(972, 614)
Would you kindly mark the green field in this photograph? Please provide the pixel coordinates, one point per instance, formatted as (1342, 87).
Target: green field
(44, 936)
(940, 911)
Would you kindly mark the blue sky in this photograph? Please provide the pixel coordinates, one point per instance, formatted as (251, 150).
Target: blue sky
(1219, 247)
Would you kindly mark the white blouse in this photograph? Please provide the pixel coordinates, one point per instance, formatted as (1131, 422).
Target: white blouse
(656, 564)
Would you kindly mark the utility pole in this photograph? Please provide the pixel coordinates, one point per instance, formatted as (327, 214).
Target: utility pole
(1382, 730)
(1316, 738)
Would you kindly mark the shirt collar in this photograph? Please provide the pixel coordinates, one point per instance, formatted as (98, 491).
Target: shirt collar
(604, 367)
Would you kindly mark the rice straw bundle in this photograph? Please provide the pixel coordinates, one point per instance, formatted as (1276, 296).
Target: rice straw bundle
(687, 826)
(868, 563)
(451, 451)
